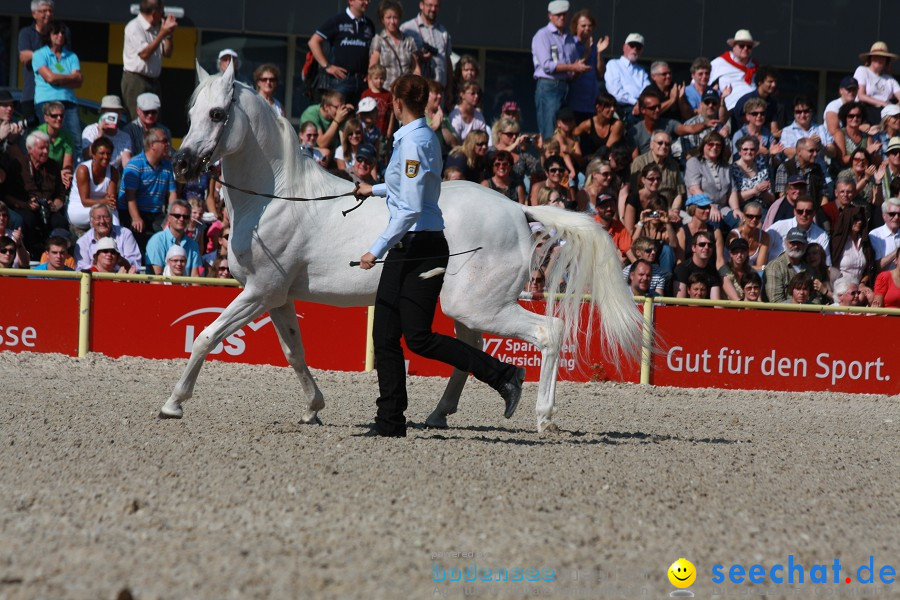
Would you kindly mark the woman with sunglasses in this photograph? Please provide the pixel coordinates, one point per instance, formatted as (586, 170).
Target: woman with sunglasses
(353, 138)
(19, 255)
(599, 179)
(655, 224)
(750, 174)
(887, 286)
(603, 130)
(502, 179)
(638, 201)
(850, 137)
(710, 174)
(755, 126)
(557, 178)
(750, 231)
(507, 135)
(698, 207)
(57, 74)
(817, 267)
(266, 77)
(865, 174)
(851, 250)
(471, 157)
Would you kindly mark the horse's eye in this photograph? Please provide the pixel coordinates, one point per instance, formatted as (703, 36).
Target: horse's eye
(217, 115)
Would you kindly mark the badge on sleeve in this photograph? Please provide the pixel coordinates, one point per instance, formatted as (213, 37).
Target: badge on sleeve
(412, 168)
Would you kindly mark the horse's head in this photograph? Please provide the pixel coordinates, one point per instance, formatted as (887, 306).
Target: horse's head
(212, 117)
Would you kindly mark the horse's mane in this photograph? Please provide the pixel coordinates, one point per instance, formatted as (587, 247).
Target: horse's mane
(301, 175)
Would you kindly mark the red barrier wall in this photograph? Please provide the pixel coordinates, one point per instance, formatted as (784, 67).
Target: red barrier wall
(50, 325)
(523, 354)
(161, 321)
(750, 349)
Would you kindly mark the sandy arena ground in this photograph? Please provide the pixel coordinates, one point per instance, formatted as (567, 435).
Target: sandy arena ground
(99, 499)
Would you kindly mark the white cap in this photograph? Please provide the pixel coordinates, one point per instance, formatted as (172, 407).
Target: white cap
(148, 101)
(558, 7)
(106, 243)
(635, 38)
(227, 52)
(174, 251)
(367, 104)
(891, 110)
(111, 102)
(109, 118)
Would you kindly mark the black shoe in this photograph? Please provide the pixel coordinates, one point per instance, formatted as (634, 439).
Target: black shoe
(511, 391)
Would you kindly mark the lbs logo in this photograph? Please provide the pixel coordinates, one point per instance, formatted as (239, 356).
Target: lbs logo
(233, 345)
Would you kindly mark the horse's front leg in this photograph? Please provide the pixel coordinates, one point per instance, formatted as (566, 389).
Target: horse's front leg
(243, 309)
(285, 321)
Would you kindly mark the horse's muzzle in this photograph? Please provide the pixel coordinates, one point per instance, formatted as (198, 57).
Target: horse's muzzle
(186, 165)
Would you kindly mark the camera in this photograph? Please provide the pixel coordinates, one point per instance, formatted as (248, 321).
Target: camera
(428, 48)
(655, 214)
(44, 210)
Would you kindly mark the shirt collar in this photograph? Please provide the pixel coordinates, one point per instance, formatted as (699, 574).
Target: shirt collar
(406, 129)
(350, 14)
(554, 30)
(145, 24)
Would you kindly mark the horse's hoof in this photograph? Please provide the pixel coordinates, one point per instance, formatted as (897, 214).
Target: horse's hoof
(314, 421)
(548, 428)
(436, 422)
(165, 415)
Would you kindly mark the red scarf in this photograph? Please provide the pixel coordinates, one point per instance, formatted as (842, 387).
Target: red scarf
(749, 70)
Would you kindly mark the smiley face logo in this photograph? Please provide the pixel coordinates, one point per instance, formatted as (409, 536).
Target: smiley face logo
(682, 573)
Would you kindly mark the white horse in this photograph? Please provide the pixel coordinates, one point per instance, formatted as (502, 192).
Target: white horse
(283, 250)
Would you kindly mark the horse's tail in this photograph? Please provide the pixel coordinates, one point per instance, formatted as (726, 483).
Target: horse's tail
(587, 260)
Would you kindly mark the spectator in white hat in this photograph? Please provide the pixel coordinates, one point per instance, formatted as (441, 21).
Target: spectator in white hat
(109, 125)
(556, 62)
(734, 69)
(625, 80)
(176, 261)
(225, 57)
(107, 258)
(890, 124)
(148, 107)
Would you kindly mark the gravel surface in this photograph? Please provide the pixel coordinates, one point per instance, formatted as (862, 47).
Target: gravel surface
(99, 499)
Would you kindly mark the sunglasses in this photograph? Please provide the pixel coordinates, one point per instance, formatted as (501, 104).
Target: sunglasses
(757, 113)
(748, 149)
(703, 244)
(711, 102)
(744, 45)
(501, 163)
(557, 170)
(661, 143)
(180, 217)
(653, 178)
(268, 79)
(753, 217)
(854, 116)
(150, 112)
(893, 215)
(802, 111)
(635, 45)
(653, 108)
(605, 173)
(480, 144)
(106, 252)
(7, 250)
(714, 144)
(893, 152)
(509, 133)
(55, 116)
(804, 211)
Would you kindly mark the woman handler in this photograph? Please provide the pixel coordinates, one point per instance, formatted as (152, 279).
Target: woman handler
(415, 244)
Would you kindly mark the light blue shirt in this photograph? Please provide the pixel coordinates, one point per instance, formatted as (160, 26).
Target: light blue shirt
(412, 184)
(158, 245)
(625, 80)
(43, 91)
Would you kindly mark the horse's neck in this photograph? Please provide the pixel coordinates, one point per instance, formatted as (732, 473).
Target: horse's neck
(274, 163)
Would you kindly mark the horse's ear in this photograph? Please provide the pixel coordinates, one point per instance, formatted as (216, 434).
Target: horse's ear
(202, 75)
(228, 75)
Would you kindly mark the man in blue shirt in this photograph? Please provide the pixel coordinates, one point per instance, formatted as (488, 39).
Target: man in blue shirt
(624, 79)
(57, 253)
(31, 38)
(148, 184)
(556, 62)
(175, 234)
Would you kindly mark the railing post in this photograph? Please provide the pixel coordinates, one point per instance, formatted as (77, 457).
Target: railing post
(647, 341)
(84, 315)
(370, 345)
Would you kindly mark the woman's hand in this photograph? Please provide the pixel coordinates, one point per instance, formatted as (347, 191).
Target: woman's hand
(363, 192)
(367, 261)
(714, 215)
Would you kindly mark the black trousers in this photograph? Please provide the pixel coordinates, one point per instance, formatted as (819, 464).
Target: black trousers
(404, 305)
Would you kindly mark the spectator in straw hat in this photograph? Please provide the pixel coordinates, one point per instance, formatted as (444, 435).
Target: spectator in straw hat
(734, 69)
(877, 88)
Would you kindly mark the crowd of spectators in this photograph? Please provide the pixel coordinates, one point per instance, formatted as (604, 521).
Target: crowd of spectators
(717, 188)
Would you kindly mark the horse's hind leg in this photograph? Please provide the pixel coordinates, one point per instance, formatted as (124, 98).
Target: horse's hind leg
(450, 400)
(243, 309)
(285, 321)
